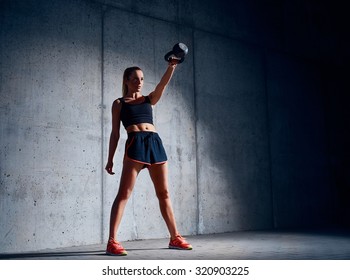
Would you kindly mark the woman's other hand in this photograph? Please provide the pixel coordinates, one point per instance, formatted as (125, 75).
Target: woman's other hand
(109, 168)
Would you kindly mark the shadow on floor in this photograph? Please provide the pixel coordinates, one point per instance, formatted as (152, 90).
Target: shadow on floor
(323, 244)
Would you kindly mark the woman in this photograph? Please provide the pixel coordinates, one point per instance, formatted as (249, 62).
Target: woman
(143, 149)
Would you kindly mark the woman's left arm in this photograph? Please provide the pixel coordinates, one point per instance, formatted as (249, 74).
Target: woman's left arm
(158, 91)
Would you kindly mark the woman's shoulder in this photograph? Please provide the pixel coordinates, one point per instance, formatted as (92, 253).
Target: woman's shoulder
(117, 104)
(118, 101)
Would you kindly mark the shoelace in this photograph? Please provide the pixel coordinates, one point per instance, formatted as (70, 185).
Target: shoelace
(113, 242)
(179, 239)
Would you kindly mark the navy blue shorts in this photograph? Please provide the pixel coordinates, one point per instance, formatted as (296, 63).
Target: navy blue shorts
(145, 147)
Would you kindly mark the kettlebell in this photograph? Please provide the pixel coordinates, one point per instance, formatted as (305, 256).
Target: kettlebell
(178, 52)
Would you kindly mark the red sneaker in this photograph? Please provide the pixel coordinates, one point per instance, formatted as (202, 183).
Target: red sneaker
(114, 248)
(179, 243)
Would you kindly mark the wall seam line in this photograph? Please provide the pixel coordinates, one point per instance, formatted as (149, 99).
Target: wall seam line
(103, 8)
(196, 133)
(268, 127)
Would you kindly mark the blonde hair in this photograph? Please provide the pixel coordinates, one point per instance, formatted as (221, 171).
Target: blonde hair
(126, 76)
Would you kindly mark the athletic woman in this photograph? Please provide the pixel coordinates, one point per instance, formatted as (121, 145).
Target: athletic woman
(143, 149)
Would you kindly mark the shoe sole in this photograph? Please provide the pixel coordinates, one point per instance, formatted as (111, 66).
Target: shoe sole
(179, 248)
(121, 254)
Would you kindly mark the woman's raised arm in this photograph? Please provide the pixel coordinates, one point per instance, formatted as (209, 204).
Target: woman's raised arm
(158, 91)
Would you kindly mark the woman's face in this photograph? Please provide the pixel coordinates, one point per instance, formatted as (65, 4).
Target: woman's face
(135, 81)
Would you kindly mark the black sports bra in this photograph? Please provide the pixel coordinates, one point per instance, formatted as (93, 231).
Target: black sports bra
(136, 113)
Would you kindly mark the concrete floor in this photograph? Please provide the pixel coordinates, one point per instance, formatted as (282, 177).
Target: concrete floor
(249, 245)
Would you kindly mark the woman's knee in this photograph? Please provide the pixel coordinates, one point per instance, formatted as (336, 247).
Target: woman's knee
(124, 194)
(162, 194)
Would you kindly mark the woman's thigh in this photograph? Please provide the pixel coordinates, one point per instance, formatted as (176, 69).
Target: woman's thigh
(129, 174)
(159, 176)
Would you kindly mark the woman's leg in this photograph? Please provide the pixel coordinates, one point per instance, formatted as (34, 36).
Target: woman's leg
(159, 176)
(127, 182)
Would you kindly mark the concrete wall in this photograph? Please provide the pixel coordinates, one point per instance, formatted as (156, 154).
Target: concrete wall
(250, 121)
(50, 124)
(232, 136)
(300, 171)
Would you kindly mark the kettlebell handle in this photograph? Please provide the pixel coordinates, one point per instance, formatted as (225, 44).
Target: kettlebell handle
(178, 52)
